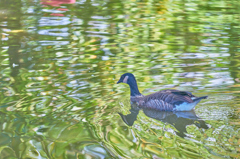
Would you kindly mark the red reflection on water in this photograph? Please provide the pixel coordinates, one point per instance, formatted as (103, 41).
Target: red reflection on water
(57, 14)
(57, 3)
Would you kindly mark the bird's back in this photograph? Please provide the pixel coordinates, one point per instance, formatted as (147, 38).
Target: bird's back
(169, 100)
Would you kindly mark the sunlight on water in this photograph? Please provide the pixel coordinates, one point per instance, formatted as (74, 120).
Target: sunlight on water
(60, 61)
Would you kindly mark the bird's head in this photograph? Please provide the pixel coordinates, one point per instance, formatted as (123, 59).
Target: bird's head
(127, 78)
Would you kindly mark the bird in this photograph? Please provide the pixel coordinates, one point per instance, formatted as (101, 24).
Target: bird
(165, 100)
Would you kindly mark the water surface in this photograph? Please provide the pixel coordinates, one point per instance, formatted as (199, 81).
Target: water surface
(60, 61)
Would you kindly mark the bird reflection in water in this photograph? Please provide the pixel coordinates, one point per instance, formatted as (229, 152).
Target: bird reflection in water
(179, 120)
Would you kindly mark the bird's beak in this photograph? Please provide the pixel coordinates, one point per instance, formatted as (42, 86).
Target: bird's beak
(119, 81)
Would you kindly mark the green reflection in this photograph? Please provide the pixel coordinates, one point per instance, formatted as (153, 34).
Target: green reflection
(59, 64)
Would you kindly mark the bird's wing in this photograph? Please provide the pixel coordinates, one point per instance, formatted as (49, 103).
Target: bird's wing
(170, 96)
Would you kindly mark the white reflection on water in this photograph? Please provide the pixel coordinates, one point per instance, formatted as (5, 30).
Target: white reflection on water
(54, 21)
(54, 32)
(53, 42)
(52, 11)
(202, 55)
(95, 151)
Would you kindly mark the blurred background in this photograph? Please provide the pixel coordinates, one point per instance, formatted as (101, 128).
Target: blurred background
(60, 61)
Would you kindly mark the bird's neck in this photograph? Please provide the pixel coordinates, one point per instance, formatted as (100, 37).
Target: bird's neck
(134, 89)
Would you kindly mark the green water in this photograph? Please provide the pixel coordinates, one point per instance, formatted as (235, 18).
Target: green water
(59, 64)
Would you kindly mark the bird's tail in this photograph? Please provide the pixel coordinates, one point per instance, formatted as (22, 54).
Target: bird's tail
(199, 98)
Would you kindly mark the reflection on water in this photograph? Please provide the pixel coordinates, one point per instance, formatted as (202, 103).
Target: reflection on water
(60, 59)
(180, 120)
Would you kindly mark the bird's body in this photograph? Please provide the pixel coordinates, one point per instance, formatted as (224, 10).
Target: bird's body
(165, 100)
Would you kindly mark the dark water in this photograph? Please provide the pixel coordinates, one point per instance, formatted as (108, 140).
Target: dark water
(60, 61)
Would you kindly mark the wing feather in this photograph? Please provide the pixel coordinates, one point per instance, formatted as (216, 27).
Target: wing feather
(166, 99)
(170, 96)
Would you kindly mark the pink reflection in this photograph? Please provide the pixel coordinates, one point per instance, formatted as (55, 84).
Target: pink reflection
(57, 14)
(56, 3)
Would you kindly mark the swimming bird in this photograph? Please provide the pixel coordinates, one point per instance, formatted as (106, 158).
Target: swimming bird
(165, 100)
